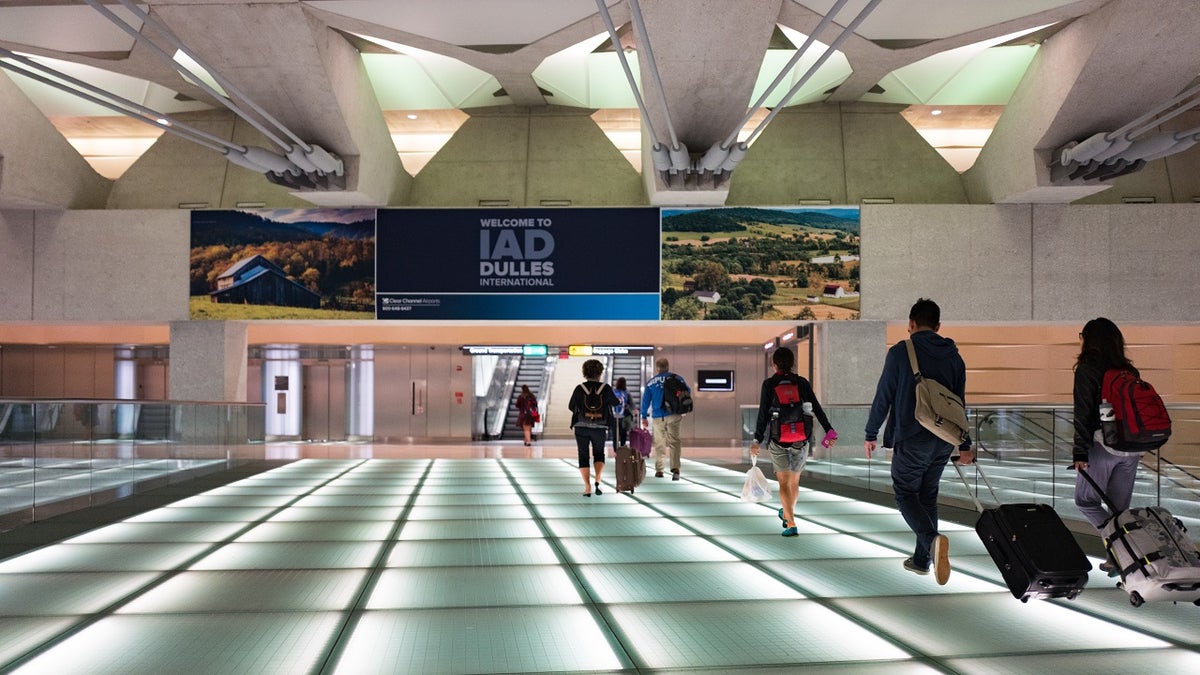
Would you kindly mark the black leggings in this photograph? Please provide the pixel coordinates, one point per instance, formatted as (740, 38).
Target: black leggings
(595, 437)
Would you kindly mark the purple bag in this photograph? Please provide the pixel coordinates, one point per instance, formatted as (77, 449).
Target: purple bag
(639, 439)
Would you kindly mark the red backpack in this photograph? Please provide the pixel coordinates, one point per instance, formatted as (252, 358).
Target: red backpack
(789, 424)
(1142, 422)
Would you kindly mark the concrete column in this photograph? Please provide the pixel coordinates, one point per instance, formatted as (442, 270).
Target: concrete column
(282, 385)
(360, 393)
(849, 359)
(208, 361)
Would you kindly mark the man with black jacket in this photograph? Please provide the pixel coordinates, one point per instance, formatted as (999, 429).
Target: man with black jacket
(919, 457)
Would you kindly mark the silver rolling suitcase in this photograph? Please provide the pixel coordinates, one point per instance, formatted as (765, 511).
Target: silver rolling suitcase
(1156, 558)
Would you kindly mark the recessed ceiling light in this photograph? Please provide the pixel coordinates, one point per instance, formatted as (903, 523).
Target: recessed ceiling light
(935, 111)
(412, 116)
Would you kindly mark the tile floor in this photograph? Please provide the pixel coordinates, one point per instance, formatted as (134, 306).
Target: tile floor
(481, 565)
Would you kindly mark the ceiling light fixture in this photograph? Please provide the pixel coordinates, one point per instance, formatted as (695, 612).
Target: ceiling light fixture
(935, 112)
(412, 116)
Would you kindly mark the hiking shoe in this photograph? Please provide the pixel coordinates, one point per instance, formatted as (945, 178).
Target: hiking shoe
(658, 474)
(941, 559)
(674, 475)
(789, 531)
(912, 567)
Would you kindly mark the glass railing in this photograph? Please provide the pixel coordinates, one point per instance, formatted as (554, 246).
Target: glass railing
(1025, 452)
(60, 455)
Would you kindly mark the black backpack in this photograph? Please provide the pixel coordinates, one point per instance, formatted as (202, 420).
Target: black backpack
(593, 403)
(789, 424)
(676, 398)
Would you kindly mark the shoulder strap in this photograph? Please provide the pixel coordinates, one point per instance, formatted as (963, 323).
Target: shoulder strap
(912, 360)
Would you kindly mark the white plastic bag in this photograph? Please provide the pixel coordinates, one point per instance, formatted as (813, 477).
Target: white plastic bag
(756, 489)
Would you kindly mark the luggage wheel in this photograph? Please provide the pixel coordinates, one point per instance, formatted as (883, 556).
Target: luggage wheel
(630, 490)
(1072, 595)
(1196, 602)
(1136, 599)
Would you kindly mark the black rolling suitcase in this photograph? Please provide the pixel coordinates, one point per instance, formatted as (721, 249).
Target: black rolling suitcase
(631, 469)
(1035, 552)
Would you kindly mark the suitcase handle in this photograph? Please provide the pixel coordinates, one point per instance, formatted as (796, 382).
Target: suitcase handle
(970, 492)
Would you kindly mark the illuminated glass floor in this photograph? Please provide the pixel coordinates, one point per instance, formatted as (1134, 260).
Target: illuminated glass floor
(491, 566)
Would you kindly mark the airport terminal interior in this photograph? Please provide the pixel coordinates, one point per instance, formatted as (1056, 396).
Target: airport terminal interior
(216, 459)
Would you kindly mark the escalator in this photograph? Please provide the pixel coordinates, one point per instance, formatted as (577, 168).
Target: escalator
(532, 373)
(632, 369)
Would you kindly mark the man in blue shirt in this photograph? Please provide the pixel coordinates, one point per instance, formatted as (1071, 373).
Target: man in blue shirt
(918, 457)
(665, 423)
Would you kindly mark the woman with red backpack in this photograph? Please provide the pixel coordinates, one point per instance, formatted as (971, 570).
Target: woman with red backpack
(785, 411)
(1101, 348)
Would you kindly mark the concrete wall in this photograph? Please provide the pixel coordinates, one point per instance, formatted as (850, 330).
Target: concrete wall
(94, 265)
(175, 171)
(525, 156)
(16, 265)
(844, 153)
(1128, 262)
(38, 167)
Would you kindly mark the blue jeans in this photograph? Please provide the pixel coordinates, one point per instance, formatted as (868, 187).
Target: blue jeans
(917, 465)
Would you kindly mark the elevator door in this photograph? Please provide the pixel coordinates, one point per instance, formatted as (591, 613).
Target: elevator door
(323, 416)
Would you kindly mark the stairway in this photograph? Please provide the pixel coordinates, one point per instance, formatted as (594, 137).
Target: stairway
(556, 418)
(154, 421)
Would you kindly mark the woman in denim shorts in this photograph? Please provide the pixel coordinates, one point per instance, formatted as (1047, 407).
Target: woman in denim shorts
(785, 409)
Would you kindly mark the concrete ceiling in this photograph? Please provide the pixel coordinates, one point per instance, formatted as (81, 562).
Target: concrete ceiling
(714, 58)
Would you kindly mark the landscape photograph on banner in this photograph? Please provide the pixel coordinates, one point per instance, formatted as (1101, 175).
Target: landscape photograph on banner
(761, 264)
(282, 264)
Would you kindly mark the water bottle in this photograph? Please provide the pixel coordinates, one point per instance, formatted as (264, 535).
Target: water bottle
(1108, 423)
(807, 420)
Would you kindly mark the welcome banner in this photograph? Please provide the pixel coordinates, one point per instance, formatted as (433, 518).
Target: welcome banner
(524, 264)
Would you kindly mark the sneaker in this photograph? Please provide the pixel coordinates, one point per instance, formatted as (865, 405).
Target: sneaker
(781, 518)
(674, 475)
(941, 559)
(789, 531)
(1109, 568)
(912, 567)
(658, 474)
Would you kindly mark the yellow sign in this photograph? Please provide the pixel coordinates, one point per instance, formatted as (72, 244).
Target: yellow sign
(579, 350)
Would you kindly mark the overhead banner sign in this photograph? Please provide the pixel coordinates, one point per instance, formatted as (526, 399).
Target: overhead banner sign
(528, 264)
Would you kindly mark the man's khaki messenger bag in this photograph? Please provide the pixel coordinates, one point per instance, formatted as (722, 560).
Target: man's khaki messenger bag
(938, 409)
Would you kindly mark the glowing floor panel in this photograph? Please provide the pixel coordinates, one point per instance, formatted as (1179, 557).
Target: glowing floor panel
(502, 566)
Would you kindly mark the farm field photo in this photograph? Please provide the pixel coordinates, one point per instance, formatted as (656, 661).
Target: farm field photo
(283, 264)
(746, 263)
